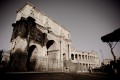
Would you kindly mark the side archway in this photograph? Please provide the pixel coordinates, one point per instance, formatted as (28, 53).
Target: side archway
(51, 45)
(52, 49)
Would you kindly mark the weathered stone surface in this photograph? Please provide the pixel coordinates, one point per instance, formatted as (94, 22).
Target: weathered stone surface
(45, 43)
(38, 43)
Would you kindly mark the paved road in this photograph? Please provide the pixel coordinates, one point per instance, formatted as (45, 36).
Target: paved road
(58, 76)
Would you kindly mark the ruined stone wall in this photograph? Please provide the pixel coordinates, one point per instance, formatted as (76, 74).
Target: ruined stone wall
(43, 20)
(54, 31)
(39, 37)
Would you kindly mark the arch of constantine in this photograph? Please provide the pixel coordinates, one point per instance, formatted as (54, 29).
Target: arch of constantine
(36, 35)
(38, 43)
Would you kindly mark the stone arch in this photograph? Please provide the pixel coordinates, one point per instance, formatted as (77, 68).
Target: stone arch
(51, 46)
(31, 63)
(30, 50)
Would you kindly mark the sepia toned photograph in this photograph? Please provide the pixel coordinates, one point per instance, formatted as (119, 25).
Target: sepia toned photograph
(60, 40)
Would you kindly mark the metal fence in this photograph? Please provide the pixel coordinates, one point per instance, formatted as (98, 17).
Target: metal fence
(40, 64)
(45, 64)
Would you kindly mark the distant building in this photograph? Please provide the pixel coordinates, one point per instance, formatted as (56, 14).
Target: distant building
(85, 59)
(106, 61)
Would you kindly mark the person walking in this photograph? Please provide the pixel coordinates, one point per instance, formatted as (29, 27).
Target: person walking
(90, 69)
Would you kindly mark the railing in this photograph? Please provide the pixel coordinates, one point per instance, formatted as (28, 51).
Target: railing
(41, 64)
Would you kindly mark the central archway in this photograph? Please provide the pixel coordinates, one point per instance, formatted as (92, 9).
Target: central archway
(30, 64)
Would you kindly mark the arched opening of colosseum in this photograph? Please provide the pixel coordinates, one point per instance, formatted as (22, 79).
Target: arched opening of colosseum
(79, 56)
(51, 49)
(76, 56)
(31, 62)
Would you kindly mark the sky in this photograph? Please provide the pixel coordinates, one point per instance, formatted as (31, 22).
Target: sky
(87, 21)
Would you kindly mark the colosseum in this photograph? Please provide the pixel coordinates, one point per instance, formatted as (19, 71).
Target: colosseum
(84, 60)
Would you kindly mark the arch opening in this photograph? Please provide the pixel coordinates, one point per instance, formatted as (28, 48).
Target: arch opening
(52, 49)
(30, 64)
(49, 43)
(30, 50)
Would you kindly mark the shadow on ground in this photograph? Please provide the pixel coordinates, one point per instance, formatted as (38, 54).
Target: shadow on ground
(57, 76)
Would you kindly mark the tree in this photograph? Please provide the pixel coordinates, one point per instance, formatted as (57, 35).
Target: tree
(1, 51)
(112, 39)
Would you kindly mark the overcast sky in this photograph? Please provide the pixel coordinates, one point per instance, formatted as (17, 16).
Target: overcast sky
(87, 20)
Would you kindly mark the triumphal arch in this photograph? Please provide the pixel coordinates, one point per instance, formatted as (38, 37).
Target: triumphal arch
(45, 44)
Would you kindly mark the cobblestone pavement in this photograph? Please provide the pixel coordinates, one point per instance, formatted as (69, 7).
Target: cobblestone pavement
(58, 76)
